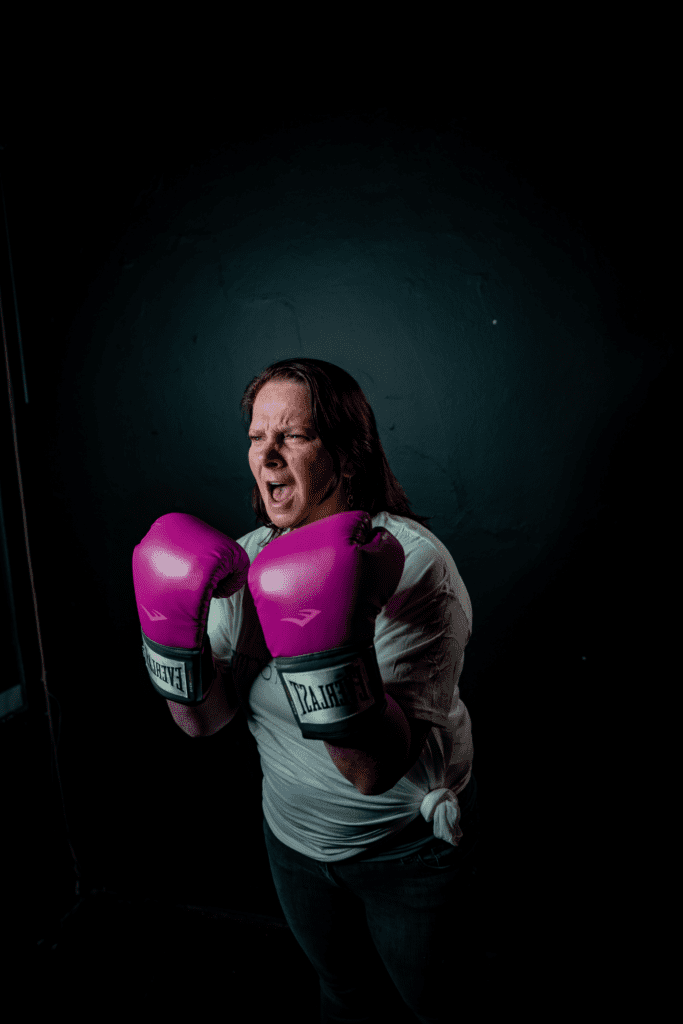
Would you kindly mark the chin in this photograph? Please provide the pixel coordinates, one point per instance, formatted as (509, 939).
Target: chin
(285, 519)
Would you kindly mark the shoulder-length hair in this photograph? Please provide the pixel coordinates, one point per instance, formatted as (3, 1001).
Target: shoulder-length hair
(345, 423)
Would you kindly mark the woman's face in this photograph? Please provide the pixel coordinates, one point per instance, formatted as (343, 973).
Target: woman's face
(285, 449)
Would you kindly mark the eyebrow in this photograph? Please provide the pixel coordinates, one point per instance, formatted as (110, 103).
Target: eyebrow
(291, 426)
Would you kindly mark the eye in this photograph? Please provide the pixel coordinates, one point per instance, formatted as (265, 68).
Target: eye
(257, 437)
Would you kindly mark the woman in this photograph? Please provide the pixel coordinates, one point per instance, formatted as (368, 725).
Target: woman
(358, 876)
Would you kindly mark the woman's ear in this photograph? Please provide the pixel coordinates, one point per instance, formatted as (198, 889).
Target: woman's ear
(347, 468)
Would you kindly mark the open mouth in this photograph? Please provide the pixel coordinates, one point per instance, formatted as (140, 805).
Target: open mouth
(280, 494)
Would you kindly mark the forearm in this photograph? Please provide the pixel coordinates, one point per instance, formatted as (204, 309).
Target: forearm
(219, 708)
(378, 766)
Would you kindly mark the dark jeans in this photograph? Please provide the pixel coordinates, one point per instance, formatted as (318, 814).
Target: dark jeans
(413, 912)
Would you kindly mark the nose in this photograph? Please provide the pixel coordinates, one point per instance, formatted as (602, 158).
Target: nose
(271, 455)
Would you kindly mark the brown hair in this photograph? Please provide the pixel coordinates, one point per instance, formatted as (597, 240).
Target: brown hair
(345, 422)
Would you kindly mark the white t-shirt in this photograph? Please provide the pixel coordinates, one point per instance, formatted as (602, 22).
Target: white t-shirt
(419, 640)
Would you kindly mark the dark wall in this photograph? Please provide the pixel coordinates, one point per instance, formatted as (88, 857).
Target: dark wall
(480, 285)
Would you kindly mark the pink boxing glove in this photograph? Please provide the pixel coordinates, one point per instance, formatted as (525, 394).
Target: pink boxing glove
(318, 591)
(177, 568)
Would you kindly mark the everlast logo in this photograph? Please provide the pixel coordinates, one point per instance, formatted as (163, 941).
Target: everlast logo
(171, 677)
(306, 615)
(336, 694)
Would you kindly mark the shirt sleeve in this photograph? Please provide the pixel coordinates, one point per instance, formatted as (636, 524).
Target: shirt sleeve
(421, 635)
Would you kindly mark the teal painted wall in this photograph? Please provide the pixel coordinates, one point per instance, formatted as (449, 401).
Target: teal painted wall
(511, 371)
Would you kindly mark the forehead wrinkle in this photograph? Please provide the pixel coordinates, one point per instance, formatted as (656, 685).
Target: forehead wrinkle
(283, 422)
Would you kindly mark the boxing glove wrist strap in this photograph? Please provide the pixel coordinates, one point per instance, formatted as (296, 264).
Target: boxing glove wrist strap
(334, 695)
(179, 674)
